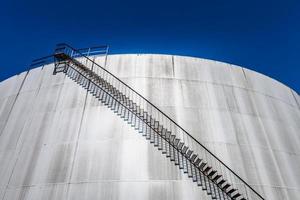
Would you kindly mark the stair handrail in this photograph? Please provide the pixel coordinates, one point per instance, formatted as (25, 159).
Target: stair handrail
(165, 115)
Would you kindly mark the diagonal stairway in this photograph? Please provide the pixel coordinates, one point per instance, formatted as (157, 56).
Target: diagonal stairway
(194, 159)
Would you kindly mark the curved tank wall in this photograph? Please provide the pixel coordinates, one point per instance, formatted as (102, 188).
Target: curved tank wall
(58, 142)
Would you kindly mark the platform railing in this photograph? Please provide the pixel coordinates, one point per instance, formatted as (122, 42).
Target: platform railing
(90, 51)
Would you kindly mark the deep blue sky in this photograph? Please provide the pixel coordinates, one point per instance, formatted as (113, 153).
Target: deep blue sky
(260, 35)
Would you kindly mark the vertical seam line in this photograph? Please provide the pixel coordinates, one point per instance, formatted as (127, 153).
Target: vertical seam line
(14, 101)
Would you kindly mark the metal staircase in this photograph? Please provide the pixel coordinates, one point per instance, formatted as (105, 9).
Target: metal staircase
(194, 159)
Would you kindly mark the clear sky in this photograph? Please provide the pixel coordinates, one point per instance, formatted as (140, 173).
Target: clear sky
(260, 35)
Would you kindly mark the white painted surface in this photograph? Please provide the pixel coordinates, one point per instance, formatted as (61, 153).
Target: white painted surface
(57, 142)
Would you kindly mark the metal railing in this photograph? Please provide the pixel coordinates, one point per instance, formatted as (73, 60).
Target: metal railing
(212, 160)
(90, 51)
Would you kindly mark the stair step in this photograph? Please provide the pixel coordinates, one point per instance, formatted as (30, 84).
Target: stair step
(202, 165)
(193, 158)
(197, 162)
(184, 149)
(236, 195)
(217, 177)
(171, 139)
(168, 134)
(159, 130)
(221, 182)
(212, 173)
(145, 116)
(230, 191)
(207, 169)
(189, 153)
(176, 141)
(180, 145)
(226, 186)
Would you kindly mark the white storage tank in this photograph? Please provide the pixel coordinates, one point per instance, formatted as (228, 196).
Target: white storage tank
(57, 141)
